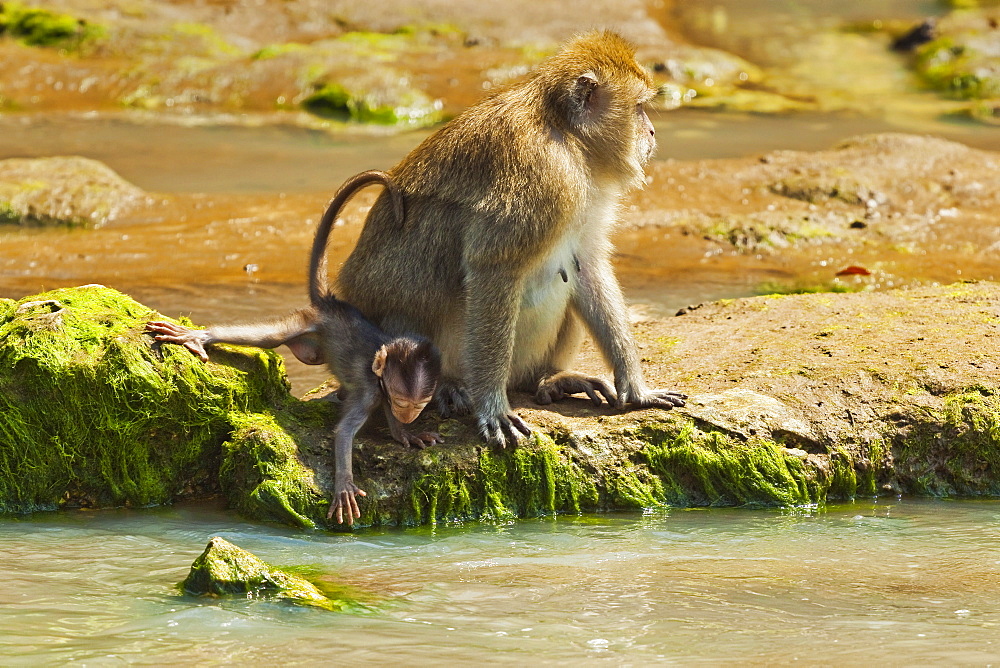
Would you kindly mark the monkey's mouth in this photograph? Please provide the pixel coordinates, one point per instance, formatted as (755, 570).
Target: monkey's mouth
(406, 417)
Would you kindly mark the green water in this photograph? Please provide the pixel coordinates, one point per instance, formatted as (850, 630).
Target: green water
(889, 582)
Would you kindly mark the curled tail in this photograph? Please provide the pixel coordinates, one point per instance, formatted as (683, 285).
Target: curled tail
(317, 259)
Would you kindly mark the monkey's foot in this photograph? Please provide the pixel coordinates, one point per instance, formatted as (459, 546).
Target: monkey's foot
(559, 385)
(452, 399)
(503, 428)
(653, 399)
(422, 440)
(168, 332)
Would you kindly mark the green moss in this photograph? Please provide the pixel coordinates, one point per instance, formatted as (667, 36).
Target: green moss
(213, 44)
(41, 27)
(843, 477)
(534, 479)
(955, 451)
(712, 469)
(262, 473)
(953, 64)
(278, 50)
(773, 288)
(91, 414)
(224, 569)
(334, 101)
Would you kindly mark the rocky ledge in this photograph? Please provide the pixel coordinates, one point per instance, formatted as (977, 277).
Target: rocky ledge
(793, 400)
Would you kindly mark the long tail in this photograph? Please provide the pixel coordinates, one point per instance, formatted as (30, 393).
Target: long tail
(317, 259)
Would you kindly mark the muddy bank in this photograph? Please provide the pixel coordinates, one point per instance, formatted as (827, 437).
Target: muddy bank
(793, 400)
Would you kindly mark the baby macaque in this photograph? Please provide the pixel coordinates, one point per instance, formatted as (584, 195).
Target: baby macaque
(399, 373)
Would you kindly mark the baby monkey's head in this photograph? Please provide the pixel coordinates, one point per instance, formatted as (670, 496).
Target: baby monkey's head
(408, 369)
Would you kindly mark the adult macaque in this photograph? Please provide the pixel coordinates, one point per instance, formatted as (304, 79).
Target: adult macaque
(398, 372)
(504, 258)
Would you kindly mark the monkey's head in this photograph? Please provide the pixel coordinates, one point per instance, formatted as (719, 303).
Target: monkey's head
(408, 369)
(596, 91)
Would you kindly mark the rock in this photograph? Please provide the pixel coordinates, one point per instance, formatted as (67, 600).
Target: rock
(224, 569)
(962, 58)
(908, 208)
(746, 413)
(92, 414)
(68, 191)
(793, 400)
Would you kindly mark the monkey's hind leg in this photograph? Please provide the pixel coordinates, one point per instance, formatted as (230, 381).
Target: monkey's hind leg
(552, 383)
(452, 398)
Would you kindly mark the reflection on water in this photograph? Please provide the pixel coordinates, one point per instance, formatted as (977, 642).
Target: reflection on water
(912, 581)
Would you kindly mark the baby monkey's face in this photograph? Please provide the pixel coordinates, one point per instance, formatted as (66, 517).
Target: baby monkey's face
(405, 408)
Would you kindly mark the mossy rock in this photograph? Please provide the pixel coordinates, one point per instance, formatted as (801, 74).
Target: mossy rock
(224, 569)
(378, 105)
(92, 414)
(69, 191)
(963, 60)
(812, 398)
(41, 27)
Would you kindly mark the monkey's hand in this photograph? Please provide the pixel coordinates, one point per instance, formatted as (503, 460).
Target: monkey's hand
(192, 339)
(643, 397)
(452, 399)
(344, 499)
(559, 385)
(422, 440)
(502, 428)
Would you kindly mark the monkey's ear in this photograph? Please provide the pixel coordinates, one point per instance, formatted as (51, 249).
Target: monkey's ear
(583, 93)
(378, 364)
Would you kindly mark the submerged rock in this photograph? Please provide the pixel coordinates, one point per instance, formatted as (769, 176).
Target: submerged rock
(70, 191)
(224, 569)
(793, 400)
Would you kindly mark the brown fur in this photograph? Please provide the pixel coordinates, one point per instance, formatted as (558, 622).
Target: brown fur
(505, 251)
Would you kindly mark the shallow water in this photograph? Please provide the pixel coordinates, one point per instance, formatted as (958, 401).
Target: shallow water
(897, 581)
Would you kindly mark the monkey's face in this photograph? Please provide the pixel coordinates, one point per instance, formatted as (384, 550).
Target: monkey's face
(405, 408)
(646, 134)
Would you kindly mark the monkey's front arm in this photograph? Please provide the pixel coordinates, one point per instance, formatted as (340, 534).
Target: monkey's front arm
(358, 406)
(600, 303)
(490, 317)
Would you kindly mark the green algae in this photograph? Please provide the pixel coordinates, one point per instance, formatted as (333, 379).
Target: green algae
(278, 50)
(954, 451)
(91, 414)
(954, 68)
(962, 60)
(224, 569)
